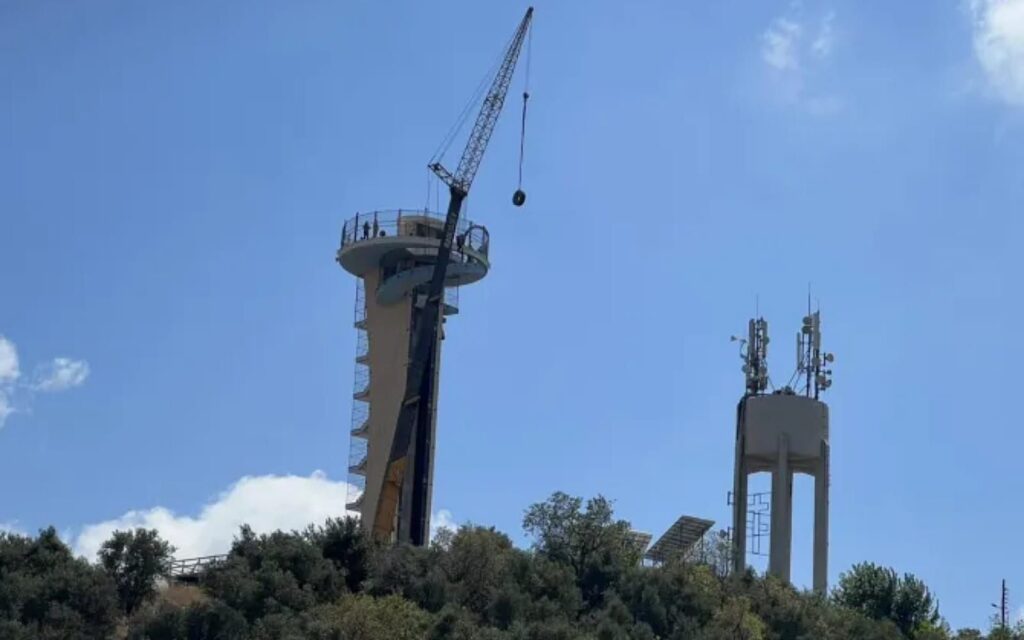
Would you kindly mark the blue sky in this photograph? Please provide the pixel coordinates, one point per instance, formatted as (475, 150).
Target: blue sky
(173, 179)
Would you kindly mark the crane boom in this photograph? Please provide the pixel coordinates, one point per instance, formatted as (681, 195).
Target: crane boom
(412, 433)
(473, 154)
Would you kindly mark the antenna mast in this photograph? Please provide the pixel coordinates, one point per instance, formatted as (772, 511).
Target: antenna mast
(755, 359)
(810, 359)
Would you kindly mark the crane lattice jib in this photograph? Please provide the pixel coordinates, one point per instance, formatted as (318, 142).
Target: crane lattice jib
(415, 408)
(473, 154)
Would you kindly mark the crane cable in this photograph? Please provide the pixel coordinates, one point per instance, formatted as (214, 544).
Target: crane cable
(520, 196)
(475, 99)
(522, 140)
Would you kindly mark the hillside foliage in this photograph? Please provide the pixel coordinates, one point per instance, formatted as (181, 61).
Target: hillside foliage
(582, 579)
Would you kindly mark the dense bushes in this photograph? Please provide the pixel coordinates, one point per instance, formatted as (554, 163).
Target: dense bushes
(580, 580)
(45, 592)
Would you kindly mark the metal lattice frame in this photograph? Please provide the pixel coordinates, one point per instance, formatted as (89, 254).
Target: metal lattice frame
(358, 442)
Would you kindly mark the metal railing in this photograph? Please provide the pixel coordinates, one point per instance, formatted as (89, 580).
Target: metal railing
(186, 568)
(360, 309)
(415, 223)
(360, 379)
(358, 446)
(451, 296)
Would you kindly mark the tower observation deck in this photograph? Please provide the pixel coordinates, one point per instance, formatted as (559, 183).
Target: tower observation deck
(392, 253)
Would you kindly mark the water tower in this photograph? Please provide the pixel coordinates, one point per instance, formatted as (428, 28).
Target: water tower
(783, 432)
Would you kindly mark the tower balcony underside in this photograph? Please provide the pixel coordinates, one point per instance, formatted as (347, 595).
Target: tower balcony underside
(362, 431)
(358, 468)
(402, 283)
(465, 267)
(357, 504)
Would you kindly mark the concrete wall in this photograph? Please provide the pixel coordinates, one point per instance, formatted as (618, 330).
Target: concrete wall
(388, 332)
(803, 420)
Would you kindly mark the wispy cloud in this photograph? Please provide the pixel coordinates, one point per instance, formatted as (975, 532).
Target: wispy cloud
(61, 374)
(6, 406)
(780, 46)
(265, 503)
(9, 371)
(998, 27)
(824, 41)
(9, 374)
(442, 519)
(796, 49)
(16, 394)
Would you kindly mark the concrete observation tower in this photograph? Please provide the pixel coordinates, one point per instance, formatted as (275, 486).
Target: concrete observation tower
(393, 253)
(783, 432)
(408, 264)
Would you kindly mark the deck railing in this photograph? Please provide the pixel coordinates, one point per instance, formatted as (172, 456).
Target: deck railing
(406, 222)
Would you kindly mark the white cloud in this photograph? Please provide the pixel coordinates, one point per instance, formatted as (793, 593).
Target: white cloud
(780, 45)
(999, 45)
(825, 40)
(9, 374)
(57, 375)
(11, 527)
(796, 50)
(61, 374)
(442, 519)
(8, 361)
(265, 503)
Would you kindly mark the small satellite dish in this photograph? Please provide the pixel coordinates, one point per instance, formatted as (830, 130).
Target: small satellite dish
(519, 197)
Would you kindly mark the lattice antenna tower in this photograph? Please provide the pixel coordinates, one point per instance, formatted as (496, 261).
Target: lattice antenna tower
(810, 359)
(754, 352)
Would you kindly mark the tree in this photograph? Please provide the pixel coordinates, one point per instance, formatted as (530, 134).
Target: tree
(367, 618)
(203, 620)
(46, 592)
(716, 551)
(1013, 632)
(134, 560)
(277, 573)
(476, 565)
(581, 581)
(735, 621)
(599, 548)
(674, 598)
(414, 573)
(881, 594)
(343, 542)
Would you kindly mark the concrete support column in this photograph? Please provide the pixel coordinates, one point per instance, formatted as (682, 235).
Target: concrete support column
(821, 486)
(739, 511)
(782, 514)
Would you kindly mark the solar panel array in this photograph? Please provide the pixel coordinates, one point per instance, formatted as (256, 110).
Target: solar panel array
(679, 539)
(641, 538)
